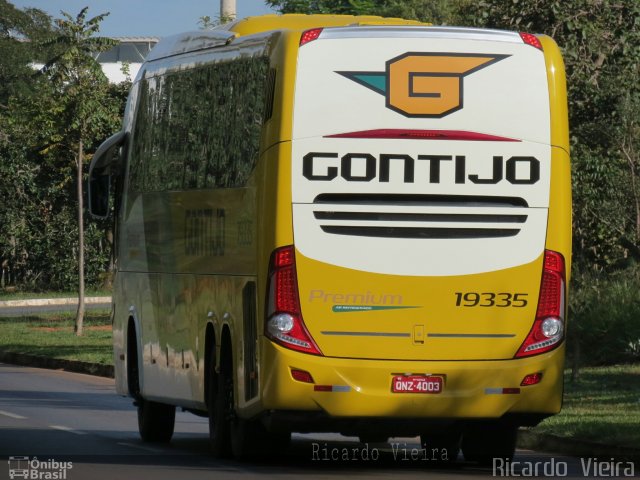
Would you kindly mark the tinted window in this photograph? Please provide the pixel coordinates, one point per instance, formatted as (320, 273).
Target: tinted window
(200, 128)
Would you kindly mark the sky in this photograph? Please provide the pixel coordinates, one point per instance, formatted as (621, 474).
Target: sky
(145, 18)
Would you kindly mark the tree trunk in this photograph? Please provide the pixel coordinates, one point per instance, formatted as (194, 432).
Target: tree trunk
(80, 314)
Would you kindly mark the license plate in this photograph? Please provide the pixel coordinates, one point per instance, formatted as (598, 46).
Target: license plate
(416, 384)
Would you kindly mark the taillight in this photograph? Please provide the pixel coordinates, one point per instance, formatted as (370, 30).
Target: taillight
(548, 328)
(284, 323)
(310, 35)
(531, 39)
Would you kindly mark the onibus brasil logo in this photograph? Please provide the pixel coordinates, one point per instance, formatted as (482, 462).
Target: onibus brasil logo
(34, 469)
(419, 84)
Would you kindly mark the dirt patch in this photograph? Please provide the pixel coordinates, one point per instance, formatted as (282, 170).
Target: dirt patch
(100, 328)
(94, 328)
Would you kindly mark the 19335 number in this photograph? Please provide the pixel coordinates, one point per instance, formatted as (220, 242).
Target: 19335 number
(490, 299)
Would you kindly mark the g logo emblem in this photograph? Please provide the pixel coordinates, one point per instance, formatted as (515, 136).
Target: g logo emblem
(424, 84)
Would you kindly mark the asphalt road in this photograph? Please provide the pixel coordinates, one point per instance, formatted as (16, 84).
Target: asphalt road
(50, 418)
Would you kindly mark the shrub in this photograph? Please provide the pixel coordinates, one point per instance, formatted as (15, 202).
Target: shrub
(604, 326)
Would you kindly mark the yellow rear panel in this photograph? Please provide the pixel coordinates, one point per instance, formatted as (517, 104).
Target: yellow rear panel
(364, 315)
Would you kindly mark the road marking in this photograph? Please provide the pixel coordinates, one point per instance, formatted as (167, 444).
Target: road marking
(67, 429)
(12, 415)
(140, 447)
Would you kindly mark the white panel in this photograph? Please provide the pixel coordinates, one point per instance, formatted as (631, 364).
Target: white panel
(508, 98)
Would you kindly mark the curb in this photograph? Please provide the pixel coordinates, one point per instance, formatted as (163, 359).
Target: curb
(39, 302)
(97, 369)
(575, 447)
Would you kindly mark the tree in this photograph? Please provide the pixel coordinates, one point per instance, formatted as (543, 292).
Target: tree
(206, 22)
(19, 32)
(434, 11)
(38, 150)
(81, 87)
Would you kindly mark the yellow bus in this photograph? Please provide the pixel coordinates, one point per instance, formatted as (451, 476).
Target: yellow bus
(342, 224)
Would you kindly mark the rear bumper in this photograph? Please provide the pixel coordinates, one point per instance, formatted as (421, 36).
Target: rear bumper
(362, 388)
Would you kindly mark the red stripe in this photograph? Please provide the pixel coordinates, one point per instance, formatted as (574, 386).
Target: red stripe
(397, 133)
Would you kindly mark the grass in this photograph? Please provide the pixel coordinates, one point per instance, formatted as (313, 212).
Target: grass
(52, 336)
(603, 406)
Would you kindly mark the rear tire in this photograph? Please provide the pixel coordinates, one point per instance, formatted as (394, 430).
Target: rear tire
(156, 421)
(250, 440)
(230, 435)
(220, 411)
(485, 441)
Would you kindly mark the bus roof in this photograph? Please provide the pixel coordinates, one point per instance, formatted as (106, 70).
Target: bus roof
(225, 34)
(299, 22)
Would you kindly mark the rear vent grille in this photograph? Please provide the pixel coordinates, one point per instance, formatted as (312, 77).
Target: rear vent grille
(417, 232)
(423, 200)
(420, 216)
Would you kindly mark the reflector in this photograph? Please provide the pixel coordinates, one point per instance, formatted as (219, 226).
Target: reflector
(510, 391)
(301, 376)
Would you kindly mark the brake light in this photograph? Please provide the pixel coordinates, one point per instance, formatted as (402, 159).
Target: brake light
(531, 39)
(310, 35)
(284, 324)
(548, 328)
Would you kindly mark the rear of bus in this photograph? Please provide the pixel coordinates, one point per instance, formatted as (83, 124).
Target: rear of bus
(431, 206)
